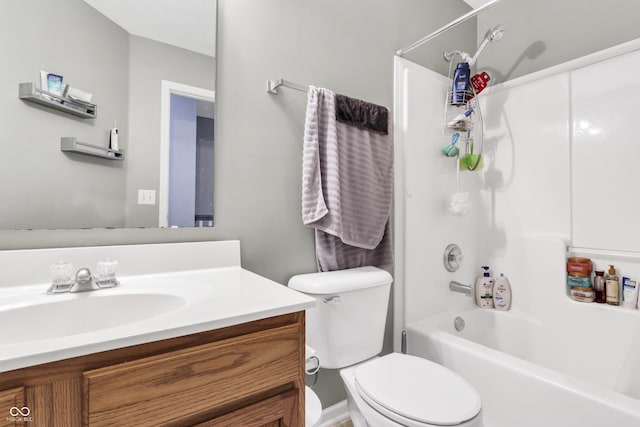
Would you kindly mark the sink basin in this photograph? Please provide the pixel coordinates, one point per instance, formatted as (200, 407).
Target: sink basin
(81, 313)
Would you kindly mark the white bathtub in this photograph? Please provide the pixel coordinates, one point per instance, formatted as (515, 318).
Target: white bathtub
(531, 373)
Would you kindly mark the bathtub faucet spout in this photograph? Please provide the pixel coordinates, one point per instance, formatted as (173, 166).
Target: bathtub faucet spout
(461, 287)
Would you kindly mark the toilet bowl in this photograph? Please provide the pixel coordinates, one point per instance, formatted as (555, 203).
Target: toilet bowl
(401, 390)
(312, 408)
(346, 329)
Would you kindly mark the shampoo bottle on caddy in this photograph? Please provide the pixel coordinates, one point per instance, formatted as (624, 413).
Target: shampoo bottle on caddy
(484, 289)
(461, 84)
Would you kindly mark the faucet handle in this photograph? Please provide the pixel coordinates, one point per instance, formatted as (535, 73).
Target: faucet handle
(61, 277)
(453, 257)
(106, 273)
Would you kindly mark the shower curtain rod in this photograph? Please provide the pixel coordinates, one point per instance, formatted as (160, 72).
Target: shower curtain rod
(273, 85)
(447, 27)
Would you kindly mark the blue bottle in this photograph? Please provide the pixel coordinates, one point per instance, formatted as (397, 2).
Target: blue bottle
(460, 84)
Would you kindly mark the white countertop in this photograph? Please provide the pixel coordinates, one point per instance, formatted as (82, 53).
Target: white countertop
(192, 301)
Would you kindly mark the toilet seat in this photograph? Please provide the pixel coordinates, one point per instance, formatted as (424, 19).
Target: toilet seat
(416, 392)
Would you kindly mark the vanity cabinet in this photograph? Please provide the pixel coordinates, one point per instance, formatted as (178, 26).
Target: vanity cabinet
(11, 401)
(244, 375)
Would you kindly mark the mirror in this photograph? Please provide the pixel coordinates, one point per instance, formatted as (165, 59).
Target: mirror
(139, 60)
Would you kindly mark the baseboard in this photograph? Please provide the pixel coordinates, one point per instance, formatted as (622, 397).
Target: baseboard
(334, 414)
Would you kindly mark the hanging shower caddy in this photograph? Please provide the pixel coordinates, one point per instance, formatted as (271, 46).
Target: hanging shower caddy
(461, 115)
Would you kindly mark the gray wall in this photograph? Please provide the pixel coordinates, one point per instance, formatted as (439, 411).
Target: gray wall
(150, 62)
(543, 33)
(347, 46)
(40, 184)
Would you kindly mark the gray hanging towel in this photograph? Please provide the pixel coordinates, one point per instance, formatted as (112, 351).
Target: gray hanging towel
(347, 180)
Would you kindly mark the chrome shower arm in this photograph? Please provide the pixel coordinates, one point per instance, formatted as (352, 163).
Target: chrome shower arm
(477, 54)
(464, 56)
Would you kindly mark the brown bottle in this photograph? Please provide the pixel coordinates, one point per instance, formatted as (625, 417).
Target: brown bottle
(598, 285)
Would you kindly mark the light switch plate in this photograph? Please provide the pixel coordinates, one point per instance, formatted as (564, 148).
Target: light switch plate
(146, 197)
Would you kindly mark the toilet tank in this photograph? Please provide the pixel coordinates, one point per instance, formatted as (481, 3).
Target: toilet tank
(347, 324)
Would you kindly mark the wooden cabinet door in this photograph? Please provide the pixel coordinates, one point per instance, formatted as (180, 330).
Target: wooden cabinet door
(278, 411)
(12, 409)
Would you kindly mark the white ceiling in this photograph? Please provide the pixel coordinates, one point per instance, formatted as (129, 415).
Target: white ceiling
(189, 24)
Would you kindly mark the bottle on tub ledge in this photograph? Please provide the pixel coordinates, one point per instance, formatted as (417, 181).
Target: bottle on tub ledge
(629, 293)
(612, 283)
(599, 286)
(484, 289)
(502, 293)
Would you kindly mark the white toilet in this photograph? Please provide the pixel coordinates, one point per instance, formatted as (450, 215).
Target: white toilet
(346, 329)
(312, 406)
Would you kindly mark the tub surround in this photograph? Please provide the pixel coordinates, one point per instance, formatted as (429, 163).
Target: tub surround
(534, 204)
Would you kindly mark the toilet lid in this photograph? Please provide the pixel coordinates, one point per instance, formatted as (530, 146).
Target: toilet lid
(403, 387)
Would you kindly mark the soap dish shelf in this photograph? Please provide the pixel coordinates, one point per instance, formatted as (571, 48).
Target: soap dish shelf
(71, 144)
(29, 92)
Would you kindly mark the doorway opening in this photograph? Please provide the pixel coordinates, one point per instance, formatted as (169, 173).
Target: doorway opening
(186, 156)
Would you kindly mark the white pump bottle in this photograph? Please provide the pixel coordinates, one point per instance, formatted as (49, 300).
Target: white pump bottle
(484, 289)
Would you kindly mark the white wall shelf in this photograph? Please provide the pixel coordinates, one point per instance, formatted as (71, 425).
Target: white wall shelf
(71, 144)
(30, 93)
(604, 253)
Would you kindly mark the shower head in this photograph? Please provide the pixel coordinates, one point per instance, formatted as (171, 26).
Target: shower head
(495, 34)
(492, 35)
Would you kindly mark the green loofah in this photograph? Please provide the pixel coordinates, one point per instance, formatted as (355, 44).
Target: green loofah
(469, 160)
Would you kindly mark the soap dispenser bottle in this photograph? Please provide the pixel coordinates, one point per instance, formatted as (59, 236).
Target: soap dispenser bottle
(612, 284)
(484, 289)
(502, 293)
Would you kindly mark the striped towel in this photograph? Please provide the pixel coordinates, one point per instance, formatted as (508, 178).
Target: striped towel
(347, 180)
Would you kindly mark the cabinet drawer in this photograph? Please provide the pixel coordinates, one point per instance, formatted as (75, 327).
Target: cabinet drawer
(278, 411)
(182, 384)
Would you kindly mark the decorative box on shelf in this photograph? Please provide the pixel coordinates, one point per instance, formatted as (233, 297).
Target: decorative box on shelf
(29, 92)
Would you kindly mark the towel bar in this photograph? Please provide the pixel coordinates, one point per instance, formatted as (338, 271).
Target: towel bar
(273, 85)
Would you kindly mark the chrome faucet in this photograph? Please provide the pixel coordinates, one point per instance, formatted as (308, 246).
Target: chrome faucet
(461, 287)
(83, 281)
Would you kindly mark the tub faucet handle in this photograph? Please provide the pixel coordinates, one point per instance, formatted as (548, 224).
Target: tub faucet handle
(453, 257)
